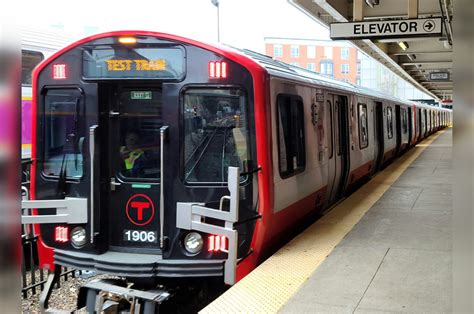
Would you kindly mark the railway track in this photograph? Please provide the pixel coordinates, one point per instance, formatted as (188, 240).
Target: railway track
(207, 162)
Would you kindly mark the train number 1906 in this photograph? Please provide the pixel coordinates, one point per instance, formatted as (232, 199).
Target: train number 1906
(140, 236)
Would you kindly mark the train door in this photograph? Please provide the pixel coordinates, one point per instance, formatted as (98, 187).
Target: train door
(426, 123)
(134, 121)
(420, 124)
(398, 126)
(379, 134)
(339, 152)
(410, 125)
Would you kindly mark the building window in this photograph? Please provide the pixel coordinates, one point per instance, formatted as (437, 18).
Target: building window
(344, 53)
(291, 141)
(327, 53)
(311, 52)
(295, 51)
(327, 67)
(296, 64)
(389, 122)
(363, 127)
(310, 66)
(345, 68)
(277, 50)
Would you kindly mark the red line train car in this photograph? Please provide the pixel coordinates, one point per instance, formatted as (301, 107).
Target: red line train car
(168, 162)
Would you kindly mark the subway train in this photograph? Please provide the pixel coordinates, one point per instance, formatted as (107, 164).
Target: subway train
(169, 162)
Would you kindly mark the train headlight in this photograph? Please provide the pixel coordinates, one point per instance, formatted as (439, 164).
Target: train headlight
(78, 237)
(193, 242)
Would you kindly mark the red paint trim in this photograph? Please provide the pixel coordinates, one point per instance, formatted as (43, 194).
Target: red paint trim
(45, 253)
(389, 155)
(360, 172)
(277, 224)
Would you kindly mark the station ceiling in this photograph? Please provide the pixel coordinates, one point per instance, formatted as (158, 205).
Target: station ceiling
(413, 58)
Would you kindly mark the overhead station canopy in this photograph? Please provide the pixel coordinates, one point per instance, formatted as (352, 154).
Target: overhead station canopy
(413, 38)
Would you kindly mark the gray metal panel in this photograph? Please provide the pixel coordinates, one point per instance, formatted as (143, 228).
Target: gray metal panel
(70, 210)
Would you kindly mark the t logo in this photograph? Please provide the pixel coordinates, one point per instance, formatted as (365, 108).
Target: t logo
(140, 206)
(140, 209)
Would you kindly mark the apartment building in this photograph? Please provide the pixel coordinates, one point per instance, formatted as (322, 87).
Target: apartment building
(333, 58)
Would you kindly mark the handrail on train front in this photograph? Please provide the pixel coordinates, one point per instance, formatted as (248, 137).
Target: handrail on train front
(189, 217)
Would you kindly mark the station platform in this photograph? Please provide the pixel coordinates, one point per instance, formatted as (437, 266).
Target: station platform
(386, 248)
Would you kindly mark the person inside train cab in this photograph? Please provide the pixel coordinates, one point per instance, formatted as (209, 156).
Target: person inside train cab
(131, 152)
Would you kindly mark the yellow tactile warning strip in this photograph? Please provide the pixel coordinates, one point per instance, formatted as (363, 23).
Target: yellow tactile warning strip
(269, 287)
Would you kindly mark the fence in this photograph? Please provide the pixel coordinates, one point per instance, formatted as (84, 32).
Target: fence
(33, 278)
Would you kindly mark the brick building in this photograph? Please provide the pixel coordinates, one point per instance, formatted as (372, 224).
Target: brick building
(334, 58)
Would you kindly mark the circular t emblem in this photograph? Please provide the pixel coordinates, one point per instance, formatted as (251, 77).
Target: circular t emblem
(140, 210)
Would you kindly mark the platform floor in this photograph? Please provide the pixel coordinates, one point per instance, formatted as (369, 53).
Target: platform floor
(386, 248)
(398, 257)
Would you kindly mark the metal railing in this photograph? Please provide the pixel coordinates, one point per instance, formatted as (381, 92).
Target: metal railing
(33, 278)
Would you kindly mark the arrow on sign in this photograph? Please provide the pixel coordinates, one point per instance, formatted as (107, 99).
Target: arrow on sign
(428, 26)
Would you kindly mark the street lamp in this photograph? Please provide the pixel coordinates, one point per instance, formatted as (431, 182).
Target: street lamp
(216, 3)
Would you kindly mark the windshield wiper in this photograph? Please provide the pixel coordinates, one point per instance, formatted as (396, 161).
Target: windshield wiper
(61, 187)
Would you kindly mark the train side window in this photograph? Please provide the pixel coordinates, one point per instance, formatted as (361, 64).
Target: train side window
(29, 60)
(291, 141)
(363, 127)
(405, 120)
(216, 134)
(389, 122)
(63, 133)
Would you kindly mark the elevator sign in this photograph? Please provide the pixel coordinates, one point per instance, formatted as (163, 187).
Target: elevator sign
(386, 29)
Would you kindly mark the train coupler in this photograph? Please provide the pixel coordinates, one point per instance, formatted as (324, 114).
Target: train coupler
(109, 296)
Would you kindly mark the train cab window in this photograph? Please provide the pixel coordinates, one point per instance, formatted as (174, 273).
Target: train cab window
(139, 134)
(29, 60)
(291, 142)
(63, 133)
(389, 122)
(215, 134)
(363, 126)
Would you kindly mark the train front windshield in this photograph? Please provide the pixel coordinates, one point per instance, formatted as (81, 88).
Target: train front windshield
(136, 128)
(215, 135)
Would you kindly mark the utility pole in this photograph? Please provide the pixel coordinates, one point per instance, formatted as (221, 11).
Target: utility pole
(216, 4)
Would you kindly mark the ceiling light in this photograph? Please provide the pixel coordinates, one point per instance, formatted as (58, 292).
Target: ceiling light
(403, 45)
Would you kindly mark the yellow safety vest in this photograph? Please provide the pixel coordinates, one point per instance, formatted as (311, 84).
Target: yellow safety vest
(132, 157)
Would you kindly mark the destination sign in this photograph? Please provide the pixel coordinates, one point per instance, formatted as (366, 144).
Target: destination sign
(134, 63)
(386, 29)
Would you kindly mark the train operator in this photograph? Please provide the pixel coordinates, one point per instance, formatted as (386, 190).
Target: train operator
(131, 152)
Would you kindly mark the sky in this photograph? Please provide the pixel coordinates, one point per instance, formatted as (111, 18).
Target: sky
(243, 23)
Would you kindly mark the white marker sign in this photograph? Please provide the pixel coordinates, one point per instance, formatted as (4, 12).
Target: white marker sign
(386, 29)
